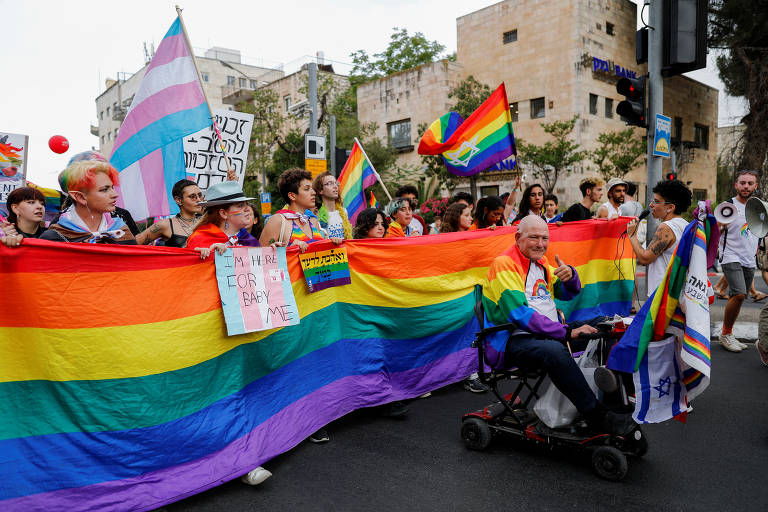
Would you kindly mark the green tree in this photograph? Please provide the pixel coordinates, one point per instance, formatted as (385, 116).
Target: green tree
(548, 161)
(405, 51)
(618, 153)
(738, 28)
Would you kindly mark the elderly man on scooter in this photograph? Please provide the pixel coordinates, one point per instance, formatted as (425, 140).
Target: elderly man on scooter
(520, 289)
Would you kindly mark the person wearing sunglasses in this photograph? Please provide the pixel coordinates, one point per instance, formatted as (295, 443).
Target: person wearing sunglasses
(670, 200)
(175, 230)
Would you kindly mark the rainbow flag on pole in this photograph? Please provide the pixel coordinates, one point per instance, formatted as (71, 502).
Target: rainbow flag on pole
(168, 106)
(357, 175)
(373, 203)
(474, 145)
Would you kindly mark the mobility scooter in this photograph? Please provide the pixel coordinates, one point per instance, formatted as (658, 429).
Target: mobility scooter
(513, 413)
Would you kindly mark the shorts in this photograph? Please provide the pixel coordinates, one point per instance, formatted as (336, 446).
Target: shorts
(739, 278)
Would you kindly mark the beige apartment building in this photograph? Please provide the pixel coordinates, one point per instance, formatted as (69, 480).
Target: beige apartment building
(557, 58)
(222, 73)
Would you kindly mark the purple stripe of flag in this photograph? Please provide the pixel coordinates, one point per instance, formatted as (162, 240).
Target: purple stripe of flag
(167, 101)
(274, 436)
(171, 48)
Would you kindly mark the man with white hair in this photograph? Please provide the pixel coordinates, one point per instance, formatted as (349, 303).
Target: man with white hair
(520, 289)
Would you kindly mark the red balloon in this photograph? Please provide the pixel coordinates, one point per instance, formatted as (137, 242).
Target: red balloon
(58, 144)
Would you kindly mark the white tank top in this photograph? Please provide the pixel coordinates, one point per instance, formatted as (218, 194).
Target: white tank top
(658, 268)
(611, 210)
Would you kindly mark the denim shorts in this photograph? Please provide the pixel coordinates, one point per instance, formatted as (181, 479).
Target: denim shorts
(739, 278)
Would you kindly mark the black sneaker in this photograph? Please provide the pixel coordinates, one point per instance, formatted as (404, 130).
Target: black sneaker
(395, 409)
(618, 424)
(475, 386)
(606, 380)
(321, 436)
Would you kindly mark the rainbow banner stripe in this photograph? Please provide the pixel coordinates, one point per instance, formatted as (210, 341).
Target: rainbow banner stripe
(127, 395)
(357, 175)
(469, 147)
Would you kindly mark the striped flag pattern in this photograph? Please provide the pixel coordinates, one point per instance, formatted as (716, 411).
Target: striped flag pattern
(357, 175)
(168, 106)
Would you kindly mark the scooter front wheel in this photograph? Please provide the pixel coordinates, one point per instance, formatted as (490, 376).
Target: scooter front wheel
(475, 433)
(609, 463)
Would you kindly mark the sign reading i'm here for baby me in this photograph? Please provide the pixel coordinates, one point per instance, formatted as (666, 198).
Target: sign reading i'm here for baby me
(255, 289)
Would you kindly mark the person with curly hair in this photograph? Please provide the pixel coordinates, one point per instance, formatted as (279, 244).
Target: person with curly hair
(371, 223)
(399, 210)
(295, 224)
(332, 214)
(458, 217)
(532, 202)
(670, 200)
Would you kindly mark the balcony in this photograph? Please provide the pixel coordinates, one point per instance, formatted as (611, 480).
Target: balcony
(95, 130)
(234, 94)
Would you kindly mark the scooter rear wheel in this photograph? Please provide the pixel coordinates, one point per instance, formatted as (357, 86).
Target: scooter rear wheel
(476, 434)
(609, 463)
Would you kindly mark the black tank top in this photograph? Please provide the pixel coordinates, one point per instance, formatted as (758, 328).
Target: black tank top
(175, 240)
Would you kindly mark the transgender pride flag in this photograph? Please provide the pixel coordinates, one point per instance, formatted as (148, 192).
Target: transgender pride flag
(168, 106)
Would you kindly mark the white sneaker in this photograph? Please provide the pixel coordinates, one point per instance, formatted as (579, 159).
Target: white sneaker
(730, 343)
(255, 476)
(742, 345)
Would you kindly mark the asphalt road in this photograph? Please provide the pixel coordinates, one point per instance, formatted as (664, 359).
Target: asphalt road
(717, 461)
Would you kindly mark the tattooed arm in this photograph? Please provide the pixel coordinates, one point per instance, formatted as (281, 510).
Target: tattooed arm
(158, 229)
(662, 239)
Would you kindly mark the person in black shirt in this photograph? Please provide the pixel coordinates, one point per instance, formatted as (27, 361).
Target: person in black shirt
(26, 208)
(592, 190)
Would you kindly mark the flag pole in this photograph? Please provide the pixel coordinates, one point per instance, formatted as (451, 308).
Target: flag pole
(374, 169)
(231, 175)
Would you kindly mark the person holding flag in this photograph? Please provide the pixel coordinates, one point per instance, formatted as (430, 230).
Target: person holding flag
(332, 215)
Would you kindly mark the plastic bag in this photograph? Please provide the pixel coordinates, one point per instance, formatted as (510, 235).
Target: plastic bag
(554, 408)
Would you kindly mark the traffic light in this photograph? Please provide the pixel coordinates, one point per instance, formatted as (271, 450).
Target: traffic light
(671, 176)
(632, 109)
(684, 36)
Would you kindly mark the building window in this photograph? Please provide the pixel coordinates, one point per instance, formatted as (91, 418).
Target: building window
(101, 115)
(609, 108)
(701, 135)
(205, 77)
(514, 111)
(399, 134)
(677, 135)
(102, 139)
(287, 101)
(609, 28)
(109, 136)
(254, 85)
(230, 80)
(538, 109)
(108, 111)
(115, 134)
(490, 190)
(699, 194)
(593, 104)
(243, 83)
(510, 37)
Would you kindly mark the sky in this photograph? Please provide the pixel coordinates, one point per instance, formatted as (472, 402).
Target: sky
(56, 55)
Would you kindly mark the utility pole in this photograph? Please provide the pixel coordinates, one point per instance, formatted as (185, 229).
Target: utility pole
(332, 144)
(655, 100)
(312, 71)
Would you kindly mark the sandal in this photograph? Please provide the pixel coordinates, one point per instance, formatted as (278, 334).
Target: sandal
(759, 297)
(723, 296)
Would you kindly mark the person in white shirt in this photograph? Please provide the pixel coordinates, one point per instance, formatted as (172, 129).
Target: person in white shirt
(617, 188)
(331, 214)
(670, 199)
(738, 247)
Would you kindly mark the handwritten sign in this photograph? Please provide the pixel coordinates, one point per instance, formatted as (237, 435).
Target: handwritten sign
(203, 157)
(13, 165)
(324, 269)
(255, 289)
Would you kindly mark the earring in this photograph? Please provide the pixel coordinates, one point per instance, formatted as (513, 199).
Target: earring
(226, 224)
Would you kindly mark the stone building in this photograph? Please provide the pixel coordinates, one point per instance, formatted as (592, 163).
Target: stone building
(222, 73)
(557, 58)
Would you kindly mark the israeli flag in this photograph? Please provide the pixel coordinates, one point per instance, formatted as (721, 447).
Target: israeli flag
(659, 388)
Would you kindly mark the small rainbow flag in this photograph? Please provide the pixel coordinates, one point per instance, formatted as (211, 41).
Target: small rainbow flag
(373, 203)
(357, 175)
(476, 144)
(52, 200)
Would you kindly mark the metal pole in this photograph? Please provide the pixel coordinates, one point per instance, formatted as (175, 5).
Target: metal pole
(312, 70)
(332, 145)
(655, 100)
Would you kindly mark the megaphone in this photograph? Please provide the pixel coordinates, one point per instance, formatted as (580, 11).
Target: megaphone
(756, 213)
(725, 213)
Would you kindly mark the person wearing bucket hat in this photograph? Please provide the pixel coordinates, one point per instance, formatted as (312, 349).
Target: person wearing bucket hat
(225, 215)
(616, 189)
(89, 181)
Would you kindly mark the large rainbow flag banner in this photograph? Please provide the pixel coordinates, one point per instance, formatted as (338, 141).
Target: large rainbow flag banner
(357, 175)
(122, 391)
(168, 106)
(471, 146)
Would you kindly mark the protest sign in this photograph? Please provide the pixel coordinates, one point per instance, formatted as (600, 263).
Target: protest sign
(13, 165)
(324, 269)
(204, 160)
(255, 289)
